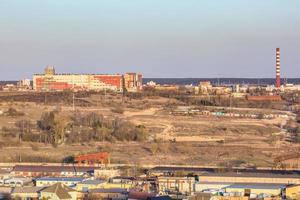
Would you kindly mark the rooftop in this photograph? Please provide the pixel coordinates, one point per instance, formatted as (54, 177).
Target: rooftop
(28, 189)
(40, 168)
(93, 182)
(110, 190)
(60, 190)
(242, 172)
(257, 186)
(60, 179)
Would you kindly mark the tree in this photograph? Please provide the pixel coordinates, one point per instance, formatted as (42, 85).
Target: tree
(298, 119)
(55, 126)
(46, 124)
(12, 112)
(24, 127)
(59, 128)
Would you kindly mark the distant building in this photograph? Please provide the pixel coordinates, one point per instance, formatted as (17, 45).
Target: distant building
(106, 173)
(51, 81)
(24, 83)
(48, 181)
(176, 184)
(9, 87)
(39, 171)
(292, 191)
(28, 192)
(114, 194)
(88, 185)
(151, 83)
(205, 87)
(255, 190)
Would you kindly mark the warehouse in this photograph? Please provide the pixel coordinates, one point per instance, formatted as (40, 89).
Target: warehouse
(39, 171)
(255, 190)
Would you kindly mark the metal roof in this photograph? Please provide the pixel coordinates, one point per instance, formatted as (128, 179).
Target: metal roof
(39, 168)
(256, 186)
(110, 190)
(249, 174)
(61, 179)
(93, 182)
(27, 190)
(241, 172)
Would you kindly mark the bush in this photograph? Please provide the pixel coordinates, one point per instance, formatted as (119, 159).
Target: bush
(298, 118)
(34, 147)
(12, 112)
(118, 109)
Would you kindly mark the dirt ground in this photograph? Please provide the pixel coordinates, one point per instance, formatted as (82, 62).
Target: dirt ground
(189, 140)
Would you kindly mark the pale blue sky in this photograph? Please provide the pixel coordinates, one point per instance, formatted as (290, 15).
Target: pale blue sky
(159, 38)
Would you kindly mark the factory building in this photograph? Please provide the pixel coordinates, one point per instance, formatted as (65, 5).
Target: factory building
(51, 81)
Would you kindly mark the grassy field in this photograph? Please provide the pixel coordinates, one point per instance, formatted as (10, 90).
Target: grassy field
(171, 139)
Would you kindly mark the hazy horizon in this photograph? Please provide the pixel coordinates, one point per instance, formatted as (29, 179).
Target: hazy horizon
(160, 39)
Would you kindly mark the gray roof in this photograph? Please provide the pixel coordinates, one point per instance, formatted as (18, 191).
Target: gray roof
(27, 189)
(60, 190)
(234, 172)
(5, 189)
(111, 190)
(40, 168)
(4, 171)
(93, 182)
(257, 186)
(61, 179)
(250, 174)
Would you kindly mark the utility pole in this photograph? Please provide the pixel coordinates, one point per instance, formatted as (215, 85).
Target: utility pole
(73, 101)
(104, 94)
(73, 95)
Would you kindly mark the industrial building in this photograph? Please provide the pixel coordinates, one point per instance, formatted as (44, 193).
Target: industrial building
(51, 81)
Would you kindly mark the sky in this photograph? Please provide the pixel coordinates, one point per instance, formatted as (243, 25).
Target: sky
(158, 38)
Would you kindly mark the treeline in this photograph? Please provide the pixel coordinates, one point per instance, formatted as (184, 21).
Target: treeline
(293, 129)
(56, 129)
(187, 97)
(65, 97)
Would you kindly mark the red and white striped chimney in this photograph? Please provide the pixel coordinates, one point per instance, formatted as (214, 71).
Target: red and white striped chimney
(278, 67)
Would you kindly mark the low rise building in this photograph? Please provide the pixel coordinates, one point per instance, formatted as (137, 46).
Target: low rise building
(54, 171)
(15, 181)
(24, 84)
(176, 184)
(30, 192)
(292, 191)
(109, 194)
(266, 178)
(106, 173)
(255, 190)
(88, 185)
(48, 181)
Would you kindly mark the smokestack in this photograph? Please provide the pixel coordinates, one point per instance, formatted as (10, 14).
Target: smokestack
(278, 67)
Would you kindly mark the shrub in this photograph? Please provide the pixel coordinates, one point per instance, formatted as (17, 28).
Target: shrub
(12, 112)
(34, 147)
(118, 109)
